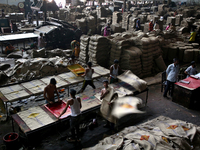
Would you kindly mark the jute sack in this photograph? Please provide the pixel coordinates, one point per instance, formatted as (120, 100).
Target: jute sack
(146, 140)
(160, 63)
(129, 145)
(181, 53)
(165, 51)
(133, 80)
(196, 54)
(188, 55)
(172, 53)
(144, 41)
(85, 38)
(106, 108)
(153, 80)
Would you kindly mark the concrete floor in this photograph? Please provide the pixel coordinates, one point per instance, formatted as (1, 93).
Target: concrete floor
(156, 106)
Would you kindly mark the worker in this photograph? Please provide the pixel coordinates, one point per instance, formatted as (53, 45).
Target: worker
(151, 25)
(172, 75)
(88, 77)
(9, 49)
(29, 17)
(167, 28)
(75, 105)
(156, 26)
(75, 45)
(138, 24)
(191, 70)
(114, 71)
(41, 41)
(192, 37)
(13, 26)
(72, 60)
(107, 30)
(104, 92)
(49, 92)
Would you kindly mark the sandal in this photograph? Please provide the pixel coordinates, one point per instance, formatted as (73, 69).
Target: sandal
(70, 140)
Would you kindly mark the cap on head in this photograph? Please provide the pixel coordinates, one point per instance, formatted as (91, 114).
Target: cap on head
(72, 92)
(53, 81)
(89, 64)
(116, 61)
(193, 62)
(151, 20)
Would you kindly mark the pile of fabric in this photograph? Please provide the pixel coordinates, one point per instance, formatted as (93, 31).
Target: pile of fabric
(99, 49)
(118, 43)
(131, 60)
(161, 133)
(84, 44)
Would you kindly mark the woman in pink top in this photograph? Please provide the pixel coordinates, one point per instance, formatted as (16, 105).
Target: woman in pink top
(107, 30)
(167, 28)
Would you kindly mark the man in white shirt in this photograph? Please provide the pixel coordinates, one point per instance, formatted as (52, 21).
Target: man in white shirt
(191, 70)
(172, 75)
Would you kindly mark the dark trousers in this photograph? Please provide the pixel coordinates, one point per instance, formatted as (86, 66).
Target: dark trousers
(74, 126)
(86, 82)
(168, 87)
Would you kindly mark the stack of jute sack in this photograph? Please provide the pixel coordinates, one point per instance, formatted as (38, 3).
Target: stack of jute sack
(125, 20)
(150, 49)
(91, 24)
(82, 24)
(131, 60)
(117, 17)
(84, 44)
(117, 45)
(99, 49)
(132, 23)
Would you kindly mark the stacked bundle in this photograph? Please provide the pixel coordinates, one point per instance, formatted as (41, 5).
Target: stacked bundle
(147, 58)
(130, 60)
(101, 12)
(171, 20)
(132, 23)
(82, 24)
(116, 28)
(91, 23)
(125, 20)
(117, 17)
(101, 22)
(99, 49)
(83, 57)
(118, 44)
(62, 14)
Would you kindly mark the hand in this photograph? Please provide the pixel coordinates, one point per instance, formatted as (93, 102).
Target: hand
(50, 102)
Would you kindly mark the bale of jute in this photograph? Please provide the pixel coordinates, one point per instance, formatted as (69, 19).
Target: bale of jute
(188, 55)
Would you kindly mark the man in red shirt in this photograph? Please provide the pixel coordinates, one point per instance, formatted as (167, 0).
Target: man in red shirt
(151, 26)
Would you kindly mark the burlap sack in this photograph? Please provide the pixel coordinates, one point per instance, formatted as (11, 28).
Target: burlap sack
(188, 55)
(133, 80)
(160, 63)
